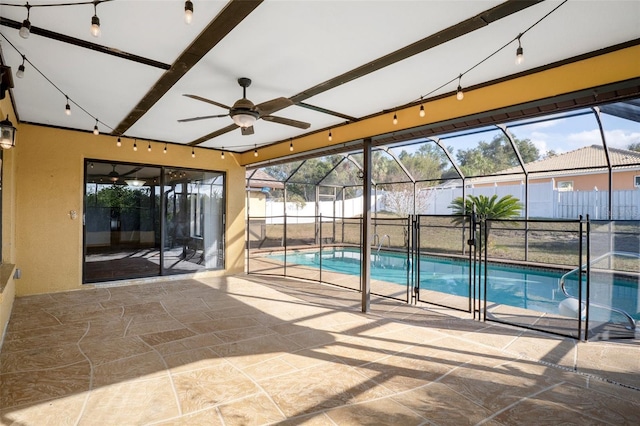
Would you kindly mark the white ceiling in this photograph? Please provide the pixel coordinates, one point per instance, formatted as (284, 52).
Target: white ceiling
(285, 47)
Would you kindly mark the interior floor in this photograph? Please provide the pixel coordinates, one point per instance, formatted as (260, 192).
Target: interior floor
(117, 264)
(251, 350)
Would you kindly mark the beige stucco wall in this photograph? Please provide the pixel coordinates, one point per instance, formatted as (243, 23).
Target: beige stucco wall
(7, 283)
(49, 185)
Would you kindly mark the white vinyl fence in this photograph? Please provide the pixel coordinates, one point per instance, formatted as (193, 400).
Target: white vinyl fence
(544, 202)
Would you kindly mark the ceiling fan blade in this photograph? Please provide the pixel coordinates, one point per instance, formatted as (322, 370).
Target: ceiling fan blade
(186, 120)
(273, 105)
(286, 121)
(213, 134)
(209, 101)
(246, 131)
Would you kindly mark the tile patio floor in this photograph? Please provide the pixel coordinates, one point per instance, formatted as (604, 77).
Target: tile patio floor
(249, 350)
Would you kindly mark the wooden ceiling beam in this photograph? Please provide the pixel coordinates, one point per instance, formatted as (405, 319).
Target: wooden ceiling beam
(232, 14)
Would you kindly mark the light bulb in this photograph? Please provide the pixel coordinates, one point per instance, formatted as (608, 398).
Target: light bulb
(291, 146)
(95, 129)
(422, 111)
(519, 55)
(193, 153)
(222, 155)
(395, 119)
(330, 136)
(188, 12)
(164, 151)
(135, 146)
(25, 29)
(459, 93)
(20, 72)
(67, 108)
(149, 147)
(255, 152)
(119, 142)
(95, 26)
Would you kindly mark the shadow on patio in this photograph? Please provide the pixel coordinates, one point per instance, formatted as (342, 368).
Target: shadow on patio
(252, 350)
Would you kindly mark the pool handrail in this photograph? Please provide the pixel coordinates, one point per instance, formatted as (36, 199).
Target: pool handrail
(630, 319)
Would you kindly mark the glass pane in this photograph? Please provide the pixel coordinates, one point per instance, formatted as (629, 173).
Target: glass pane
(122, 227)
(194, 237)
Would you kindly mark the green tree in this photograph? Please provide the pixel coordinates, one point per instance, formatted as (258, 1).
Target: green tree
(635, 146)
(490, 157)
(507, 207)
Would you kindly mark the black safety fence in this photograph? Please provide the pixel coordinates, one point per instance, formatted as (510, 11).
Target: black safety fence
(390, 258)
(443, 259)
(328, 249)
(574, 278)
(571, 278)
(522, 264)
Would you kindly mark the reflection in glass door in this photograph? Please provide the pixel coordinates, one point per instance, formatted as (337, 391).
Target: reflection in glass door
(122, 211)
(193, 221)
(125, 223)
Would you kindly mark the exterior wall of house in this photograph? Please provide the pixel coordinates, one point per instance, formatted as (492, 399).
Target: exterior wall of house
(622, 180)
(49, 177)
(257, 203)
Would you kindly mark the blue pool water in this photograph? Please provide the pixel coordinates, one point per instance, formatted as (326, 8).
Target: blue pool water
(529, 288)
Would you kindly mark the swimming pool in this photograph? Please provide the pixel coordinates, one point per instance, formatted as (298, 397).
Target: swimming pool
(529, 288)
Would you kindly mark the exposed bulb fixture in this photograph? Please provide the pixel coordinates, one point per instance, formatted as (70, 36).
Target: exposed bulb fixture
(95, 128)
(164, 151)
(255, 152)
(7, 134)
(188, 12)
(395, 118)
(25, 29)
(119, 142)
(330, 136)
(67, 107)
(291, 146)
(193, 153)
(135, 145)
(95, 21)
(422, 113)
(519, 52)
(149, 147)
(20, 72)
(459, 92)
(222, 155)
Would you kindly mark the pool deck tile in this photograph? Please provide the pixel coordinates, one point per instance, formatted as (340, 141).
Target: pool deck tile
(258, 350)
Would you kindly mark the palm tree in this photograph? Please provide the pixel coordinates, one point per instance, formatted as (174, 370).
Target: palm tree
(506, 207)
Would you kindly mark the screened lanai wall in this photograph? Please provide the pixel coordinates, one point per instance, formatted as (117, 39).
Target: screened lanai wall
(559, 166)
(560, 170)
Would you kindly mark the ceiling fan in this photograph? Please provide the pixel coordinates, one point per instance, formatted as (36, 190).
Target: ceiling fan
(244, 113)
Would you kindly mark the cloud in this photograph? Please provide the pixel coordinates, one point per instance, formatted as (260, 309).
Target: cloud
(616, 138)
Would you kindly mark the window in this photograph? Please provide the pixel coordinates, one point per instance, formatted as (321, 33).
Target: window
(565, 185)
(143, 221)
(636, 181)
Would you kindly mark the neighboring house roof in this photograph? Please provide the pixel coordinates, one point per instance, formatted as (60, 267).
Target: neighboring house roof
(586, 160)
(260, 179)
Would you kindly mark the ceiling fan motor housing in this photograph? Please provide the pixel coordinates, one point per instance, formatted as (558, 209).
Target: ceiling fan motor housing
(243, 113)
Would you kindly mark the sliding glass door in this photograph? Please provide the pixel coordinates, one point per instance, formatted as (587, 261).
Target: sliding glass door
(193, 218)
(143, 221)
